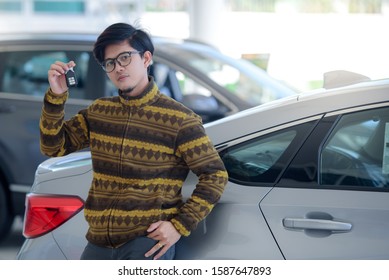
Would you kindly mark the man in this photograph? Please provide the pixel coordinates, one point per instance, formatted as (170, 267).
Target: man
(143, 145)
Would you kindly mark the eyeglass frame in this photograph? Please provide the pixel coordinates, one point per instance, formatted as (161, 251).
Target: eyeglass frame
(115, 60)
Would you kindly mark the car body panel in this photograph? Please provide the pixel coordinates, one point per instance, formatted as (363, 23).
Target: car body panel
(221, 231)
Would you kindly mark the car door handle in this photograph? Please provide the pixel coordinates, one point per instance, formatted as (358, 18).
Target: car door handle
(316, 224)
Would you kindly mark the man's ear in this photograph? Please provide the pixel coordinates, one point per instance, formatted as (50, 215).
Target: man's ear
(148, 58)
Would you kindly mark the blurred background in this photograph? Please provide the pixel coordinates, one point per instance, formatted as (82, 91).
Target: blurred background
(296, 41)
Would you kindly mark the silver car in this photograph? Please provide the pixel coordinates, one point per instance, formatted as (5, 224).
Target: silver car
(308, 179)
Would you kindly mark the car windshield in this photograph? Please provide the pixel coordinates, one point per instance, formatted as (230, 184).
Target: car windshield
(240, 77)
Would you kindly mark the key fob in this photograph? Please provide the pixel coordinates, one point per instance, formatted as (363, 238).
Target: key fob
(71, 80)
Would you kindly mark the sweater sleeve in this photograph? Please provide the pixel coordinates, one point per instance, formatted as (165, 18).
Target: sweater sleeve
(59, 137)
(195, 147)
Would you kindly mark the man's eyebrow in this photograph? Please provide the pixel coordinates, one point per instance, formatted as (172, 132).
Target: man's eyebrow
(119, 54)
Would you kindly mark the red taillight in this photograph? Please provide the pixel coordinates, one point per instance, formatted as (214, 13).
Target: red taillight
(45, 213)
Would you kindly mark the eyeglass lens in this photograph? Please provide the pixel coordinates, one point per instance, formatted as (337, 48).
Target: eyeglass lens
(123, 59)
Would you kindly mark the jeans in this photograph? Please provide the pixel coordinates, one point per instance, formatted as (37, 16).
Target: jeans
(132, 250)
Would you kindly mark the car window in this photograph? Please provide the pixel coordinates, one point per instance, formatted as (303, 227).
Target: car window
(191, 93)
(233, 79)
(357, 151)
(261, 160)
(237, 82)
(176, 84)
(25, 72)
(244, 80)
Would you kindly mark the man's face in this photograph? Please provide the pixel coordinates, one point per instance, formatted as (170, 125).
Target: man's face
(132, 78)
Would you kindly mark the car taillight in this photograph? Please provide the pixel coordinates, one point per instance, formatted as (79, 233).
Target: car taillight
(45, 213)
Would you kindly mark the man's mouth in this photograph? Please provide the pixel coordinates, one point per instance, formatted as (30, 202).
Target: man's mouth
(122, 77)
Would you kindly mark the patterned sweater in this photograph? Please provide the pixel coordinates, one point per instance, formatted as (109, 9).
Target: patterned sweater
(142, 149)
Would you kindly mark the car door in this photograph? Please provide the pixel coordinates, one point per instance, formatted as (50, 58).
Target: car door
(333, 201)
(236, 228)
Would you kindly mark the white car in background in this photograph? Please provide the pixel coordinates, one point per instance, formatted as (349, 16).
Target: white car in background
(308, 179)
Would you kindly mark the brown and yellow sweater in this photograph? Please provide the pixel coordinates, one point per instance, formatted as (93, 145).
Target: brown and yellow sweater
(142, 149)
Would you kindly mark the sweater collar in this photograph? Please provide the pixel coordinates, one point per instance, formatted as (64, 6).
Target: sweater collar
(148, 96)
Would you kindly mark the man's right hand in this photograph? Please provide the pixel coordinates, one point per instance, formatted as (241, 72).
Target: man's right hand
(56, 76)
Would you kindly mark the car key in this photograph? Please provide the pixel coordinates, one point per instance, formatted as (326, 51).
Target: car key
(71, 80)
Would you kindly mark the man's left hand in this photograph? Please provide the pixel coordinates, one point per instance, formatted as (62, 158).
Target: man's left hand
(166, 234)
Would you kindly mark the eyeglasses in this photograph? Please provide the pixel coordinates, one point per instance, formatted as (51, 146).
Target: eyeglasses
(123, 59)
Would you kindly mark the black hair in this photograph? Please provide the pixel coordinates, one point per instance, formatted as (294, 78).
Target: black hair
(119, 32)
